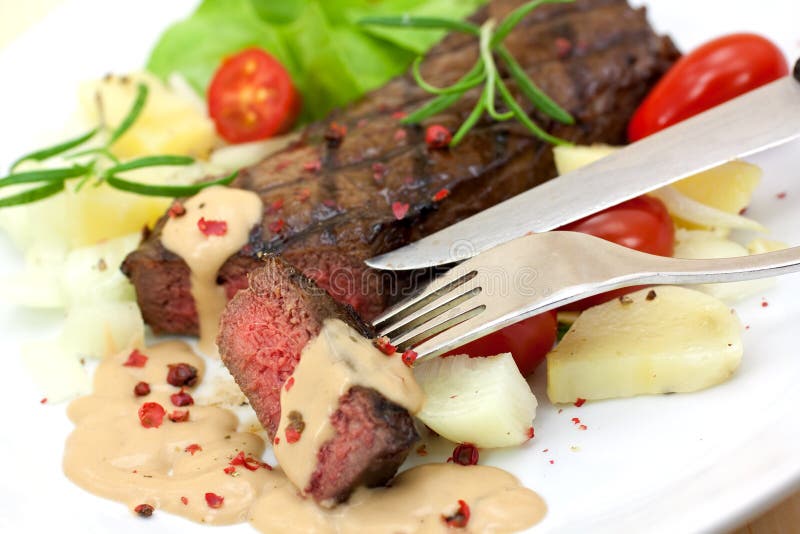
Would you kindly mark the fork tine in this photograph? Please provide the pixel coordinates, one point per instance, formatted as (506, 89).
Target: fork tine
(421, 330)
(466, 330)
(431, 310)
(441, 326)
(449, 281)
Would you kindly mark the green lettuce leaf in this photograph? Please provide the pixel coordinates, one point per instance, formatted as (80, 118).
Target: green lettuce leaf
(332, 59)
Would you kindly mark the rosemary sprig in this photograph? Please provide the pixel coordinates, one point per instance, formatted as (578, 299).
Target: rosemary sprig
(485, 71)
(54, 180)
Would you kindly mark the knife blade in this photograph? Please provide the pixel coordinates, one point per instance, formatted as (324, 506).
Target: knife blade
(758, 120)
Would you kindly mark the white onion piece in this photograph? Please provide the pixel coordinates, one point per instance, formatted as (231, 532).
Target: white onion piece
(483, 401)
(234, 157)
(180, 86)
(92, 275)
(698, 244)
(690, 210)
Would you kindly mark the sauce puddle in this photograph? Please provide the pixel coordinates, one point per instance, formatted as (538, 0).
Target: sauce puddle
(206, 251)
(172, 466)
(175, 466)
(416, 502)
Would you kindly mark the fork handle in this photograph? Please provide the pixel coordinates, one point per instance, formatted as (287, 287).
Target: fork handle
(738, 269)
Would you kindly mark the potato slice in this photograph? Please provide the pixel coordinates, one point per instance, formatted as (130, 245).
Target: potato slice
(682, 340)
(483, 401)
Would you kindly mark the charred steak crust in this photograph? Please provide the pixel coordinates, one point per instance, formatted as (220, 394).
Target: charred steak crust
(373, 438)
(263, 331)
(597, 58)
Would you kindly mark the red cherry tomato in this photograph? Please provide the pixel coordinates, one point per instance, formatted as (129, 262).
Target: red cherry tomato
(251, 97)
(528, 341)
(641, 223)
(710, 75)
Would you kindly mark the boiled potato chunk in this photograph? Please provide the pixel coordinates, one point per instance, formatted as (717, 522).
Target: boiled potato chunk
(483, 401)
(682, 340)
(170, 123)
(569, 158)
(100, 213)
(728, 187)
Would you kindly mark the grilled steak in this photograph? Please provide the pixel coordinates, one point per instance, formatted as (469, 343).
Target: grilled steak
(340, 195)
(263, 331)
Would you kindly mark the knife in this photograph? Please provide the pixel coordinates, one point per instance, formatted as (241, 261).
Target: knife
(758, 120)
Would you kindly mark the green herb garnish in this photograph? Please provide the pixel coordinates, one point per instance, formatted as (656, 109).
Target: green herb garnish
(490, 37)
(54, 180)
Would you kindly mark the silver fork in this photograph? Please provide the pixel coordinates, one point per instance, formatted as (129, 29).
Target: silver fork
(541, 272)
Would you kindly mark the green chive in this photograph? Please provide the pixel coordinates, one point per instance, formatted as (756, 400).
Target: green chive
(525, 120)
(437, 105)
(45, 175)
(473, 118)
(491, 72)
(45, 153)
(150, 161)
(133, 114)
(165, 190)
(538, 97)
(459, 87)
(32, 195)
(425, 23)
(101, 150)
(514, 18)
(442, 102)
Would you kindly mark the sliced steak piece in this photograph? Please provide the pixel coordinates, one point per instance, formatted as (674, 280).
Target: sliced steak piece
(339, 195)
(263, 330)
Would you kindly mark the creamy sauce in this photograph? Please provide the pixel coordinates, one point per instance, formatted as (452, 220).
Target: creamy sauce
(333, 362)
(204, 254)
(112, 455)
(415, 503)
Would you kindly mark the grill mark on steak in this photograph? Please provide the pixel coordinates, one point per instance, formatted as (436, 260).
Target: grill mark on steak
(614, 59)
(263, 331)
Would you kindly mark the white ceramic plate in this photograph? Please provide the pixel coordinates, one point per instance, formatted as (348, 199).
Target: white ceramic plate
(677, 463)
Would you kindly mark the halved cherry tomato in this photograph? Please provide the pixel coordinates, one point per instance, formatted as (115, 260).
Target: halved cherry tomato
(641, 223)
(716, 72)
(528, 341)
(252, 97)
